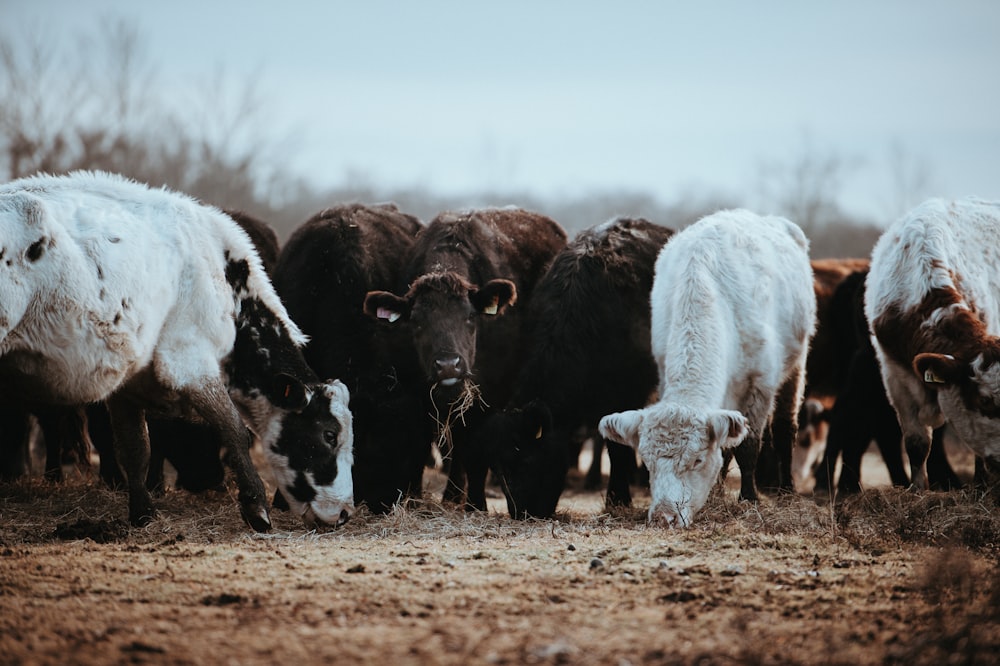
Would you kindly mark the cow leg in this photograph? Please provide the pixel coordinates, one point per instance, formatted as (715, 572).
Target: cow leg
(131, 443)
(888, 437)
(918, 445)
(454, 464)
(850, 433)
(940, 474)
(785, 426)
(15, 438)
(593, 479)
(213, 404)
(746, 457)
(623, 468)
(476, 470)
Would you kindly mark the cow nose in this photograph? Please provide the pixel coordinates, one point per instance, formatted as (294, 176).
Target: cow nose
(449, 368)
(344, 517)
(665, 517)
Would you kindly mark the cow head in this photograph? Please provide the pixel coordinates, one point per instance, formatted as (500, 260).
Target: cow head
(682, 449)
(529, 458)
(27, 263)
(309, 444)
(968, 394)
(443, 311)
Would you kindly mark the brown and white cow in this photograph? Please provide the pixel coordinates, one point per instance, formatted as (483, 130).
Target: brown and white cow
(932, 300)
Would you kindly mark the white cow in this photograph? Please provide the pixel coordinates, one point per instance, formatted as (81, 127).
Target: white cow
(145, 298)
(933, 304)
(733, 309)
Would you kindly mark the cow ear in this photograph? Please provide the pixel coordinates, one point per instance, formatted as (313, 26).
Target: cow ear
(536, 421)
(622, 427)
(290, 393)
(939, 369)
(386, 306)
(493, 297)
(727, 428)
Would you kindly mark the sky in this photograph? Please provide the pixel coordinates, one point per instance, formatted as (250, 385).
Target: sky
(565, 98)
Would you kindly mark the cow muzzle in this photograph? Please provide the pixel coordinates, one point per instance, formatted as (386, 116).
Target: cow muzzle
(449, 369)
(313, 521)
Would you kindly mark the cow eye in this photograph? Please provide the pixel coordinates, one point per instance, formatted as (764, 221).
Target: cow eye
(35, 251)
(330, 436)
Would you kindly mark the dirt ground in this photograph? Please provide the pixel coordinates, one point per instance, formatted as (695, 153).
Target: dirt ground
(889, 577)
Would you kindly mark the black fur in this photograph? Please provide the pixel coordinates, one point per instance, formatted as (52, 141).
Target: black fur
(587, 355)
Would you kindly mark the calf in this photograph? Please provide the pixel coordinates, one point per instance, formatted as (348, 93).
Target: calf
(110, 290)
(932, 299)
(588, 354)
(323, 274)
(733, 308)
(460, 282)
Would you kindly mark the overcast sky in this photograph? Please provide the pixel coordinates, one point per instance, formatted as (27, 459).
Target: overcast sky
(557, 98)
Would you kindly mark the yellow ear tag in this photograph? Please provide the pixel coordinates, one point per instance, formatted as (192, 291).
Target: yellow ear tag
(931, 378)
(493, 307)
(538, 435)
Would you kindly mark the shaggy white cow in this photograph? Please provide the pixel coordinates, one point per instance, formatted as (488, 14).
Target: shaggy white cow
(932, 300)
(113, 291)
(733, 309)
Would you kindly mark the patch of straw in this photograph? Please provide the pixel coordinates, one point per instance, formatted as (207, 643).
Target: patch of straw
(469, 397)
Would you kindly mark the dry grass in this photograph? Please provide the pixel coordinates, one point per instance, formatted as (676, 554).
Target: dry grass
(886, 577)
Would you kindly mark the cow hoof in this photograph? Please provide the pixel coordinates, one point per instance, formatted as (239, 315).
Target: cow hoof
(256, 517)
(141, 517)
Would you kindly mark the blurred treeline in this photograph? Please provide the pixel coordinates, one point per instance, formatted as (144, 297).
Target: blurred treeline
(98, 103)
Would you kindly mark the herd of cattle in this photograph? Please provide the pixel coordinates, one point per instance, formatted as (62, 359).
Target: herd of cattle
(151, 327)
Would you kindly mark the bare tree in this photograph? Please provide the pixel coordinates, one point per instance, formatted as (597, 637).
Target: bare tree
(96, 103)
(807, 189)
(910, 181)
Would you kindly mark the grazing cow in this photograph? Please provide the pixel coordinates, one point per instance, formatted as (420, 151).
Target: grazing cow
(733, 309)
(932, 300)
(324, 272)
(110, 290)
(460, 283)
(862, 413)
(587, 335)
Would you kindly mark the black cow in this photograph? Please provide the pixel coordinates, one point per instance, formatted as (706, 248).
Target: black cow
(464, 272)
(862, 412)
(324, 272)
(588, 355)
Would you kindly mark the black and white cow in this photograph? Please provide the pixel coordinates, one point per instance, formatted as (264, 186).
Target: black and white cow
(110, 290)
(193, 449)
(932, 301)
(458, 289)
(733, 309)
(324, 272)
(588, 355)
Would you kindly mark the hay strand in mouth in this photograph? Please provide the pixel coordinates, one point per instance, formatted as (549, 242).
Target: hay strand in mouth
(469, 397)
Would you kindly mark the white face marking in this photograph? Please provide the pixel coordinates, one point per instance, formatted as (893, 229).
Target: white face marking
(683, 466)
(332, 503)
(683, 454)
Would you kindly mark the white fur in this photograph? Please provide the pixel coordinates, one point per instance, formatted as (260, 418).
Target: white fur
(928, 248)
(733, 309)
(119, 242)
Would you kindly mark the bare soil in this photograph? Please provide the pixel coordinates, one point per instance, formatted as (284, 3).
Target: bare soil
(888, 577)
